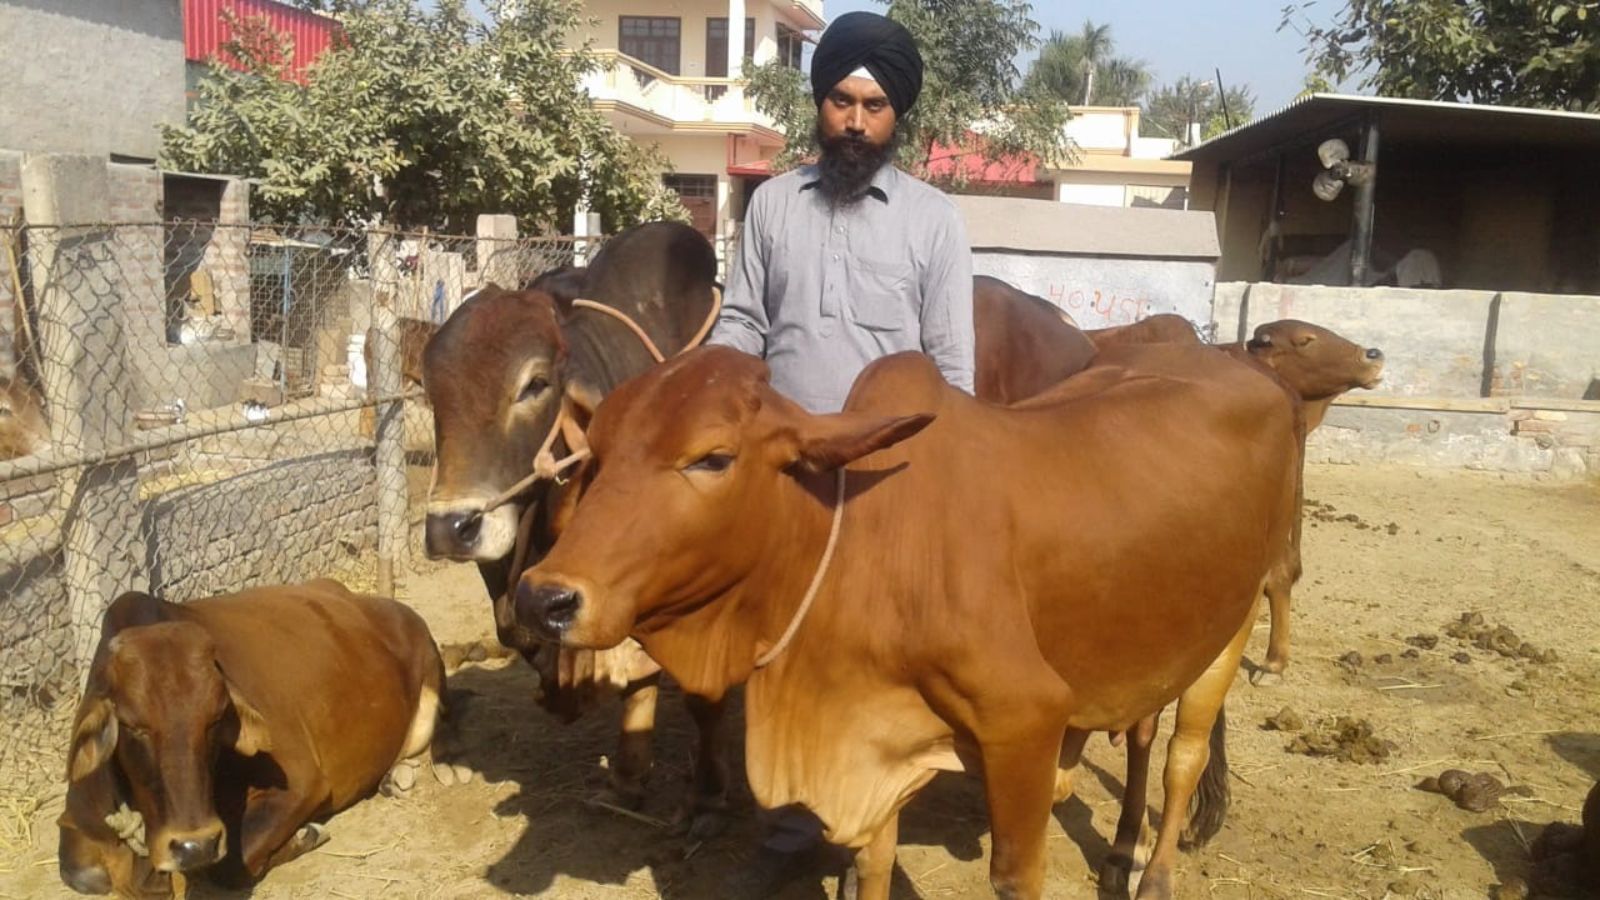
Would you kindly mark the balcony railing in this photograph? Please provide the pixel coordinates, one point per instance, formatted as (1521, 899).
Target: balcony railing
(625, 79)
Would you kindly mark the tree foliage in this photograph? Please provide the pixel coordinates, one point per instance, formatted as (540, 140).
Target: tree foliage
(421, 115)
(970, 83)
(1171, 108)
(1541, 53)
(1082, 68)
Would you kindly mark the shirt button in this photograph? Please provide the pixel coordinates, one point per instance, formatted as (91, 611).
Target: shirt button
(836, 257)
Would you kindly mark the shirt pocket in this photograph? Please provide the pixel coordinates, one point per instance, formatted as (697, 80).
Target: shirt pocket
(882, 294)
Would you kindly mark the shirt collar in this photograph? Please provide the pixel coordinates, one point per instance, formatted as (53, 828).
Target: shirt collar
(882, 183)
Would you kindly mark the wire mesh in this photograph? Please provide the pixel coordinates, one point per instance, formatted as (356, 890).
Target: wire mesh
(186, 408)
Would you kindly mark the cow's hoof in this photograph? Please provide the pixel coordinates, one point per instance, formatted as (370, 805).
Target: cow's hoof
(1261, 676)
(450, 775)
(400, 780)
(849, 885)
(1063, 788)
(707, 824)
(310, 837)
(1115, 873)
(1155, 885)
(611, 796)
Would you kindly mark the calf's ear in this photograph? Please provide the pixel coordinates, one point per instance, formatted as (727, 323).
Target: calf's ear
(93, 739)
(253, 737)
(827, 442)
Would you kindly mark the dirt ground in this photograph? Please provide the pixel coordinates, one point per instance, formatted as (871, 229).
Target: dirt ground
(1390, 554)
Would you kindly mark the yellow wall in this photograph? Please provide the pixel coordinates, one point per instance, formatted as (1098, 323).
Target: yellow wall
(692, 27)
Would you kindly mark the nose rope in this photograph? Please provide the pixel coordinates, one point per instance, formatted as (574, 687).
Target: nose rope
(545, 466)
(777, 649)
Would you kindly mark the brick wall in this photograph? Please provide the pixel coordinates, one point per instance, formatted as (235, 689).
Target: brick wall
(287, 522)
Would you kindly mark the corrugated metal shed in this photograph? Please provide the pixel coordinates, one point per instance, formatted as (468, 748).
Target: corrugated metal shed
(206, 29)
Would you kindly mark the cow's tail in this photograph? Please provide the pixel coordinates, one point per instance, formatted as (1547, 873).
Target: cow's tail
(1208, 808)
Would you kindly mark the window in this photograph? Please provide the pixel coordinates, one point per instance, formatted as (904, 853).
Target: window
(699, 196)
(653, 40)
(717, 45)
(790, 43)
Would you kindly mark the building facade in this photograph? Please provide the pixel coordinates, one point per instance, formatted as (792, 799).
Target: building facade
(666, 81)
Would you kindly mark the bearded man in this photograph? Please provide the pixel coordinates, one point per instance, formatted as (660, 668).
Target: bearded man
(851, 259)
(843, 262)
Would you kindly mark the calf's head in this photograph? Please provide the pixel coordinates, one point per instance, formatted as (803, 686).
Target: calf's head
(1314, 361)
(158, 711)
(496, 375)
(694, 486)
(22, 426)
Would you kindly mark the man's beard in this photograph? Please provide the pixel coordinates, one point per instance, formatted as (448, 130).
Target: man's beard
(847, 165)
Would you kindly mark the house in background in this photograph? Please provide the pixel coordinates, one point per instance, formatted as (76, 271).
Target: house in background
(1114, 166)
(665, 80)
(1462, 196)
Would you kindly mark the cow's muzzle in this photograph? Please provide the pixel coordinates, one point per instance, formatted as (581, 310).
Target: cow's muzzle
(196, 850)
(454, 535)
(547, 609)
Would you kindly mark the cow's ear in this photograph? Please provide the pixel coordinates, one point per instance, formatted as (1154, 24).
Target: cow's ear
(93, 739)
(253, 735)
(582, 397)
(828, 442)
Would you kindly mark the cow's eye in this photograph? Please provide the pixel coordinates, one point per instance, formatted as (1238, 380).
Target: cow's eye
(711, 462)
(535, 387)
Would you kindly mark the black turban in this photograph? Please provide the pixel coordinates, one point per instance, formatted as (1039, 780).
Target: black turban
(883, 46)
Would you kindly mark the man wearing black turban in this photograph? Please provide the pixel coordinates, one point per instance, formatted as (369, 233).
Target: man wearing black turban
(841, 263)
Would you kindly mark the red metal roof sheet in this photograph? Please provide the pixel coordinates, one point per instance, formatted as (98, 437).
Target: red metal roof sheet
(206, 30)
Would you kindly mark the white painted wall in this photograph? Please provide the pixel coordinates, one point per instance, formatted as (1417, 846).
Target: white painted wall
(1099, 292)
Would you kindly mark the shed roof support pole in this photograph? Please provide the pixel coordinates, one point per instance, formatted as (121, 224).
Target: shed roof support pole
(1361, 234)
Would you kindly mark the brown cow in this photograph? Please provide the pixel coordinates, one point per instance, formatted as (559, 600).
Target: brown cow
(23, 430)
(1023, 343)
(1319, 364)
(227, 753)
(1163, 328)
(1002, 577)
(498, 374)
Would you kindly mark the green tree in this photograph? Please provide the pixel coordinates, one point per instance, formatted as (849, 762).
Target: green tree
(421, 115)
(1081, 68)
(970, 84)
(1172, 108)
(1541, 53)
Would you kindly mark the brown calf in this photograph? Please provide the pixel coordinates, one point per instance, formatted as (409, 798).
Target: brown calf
(23, 430)
(227, 748)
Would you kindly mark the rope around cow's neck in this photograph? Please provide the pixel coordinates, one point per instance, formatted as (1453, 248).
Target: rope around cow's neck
(545, 465)
(777, 649)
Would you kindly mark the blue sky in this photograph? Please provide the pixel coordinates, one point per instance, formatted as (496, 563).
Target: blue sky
(1183, 38)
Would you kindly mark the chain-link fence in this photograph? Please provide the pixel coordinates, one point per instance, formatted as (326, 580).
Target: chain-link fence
(189, 408)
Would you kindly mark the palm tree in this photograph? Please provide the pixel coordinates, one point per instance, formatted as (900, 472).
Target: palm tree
(1081, 65)
(1096, 43)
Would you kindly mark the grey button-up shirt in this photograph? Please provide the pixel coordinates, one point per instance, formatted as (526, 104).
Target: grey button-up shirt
(821, 293)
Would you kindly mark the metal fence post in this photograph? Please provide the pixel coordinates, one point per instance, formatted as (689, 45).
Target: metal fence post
(88, 384)
(390, 457)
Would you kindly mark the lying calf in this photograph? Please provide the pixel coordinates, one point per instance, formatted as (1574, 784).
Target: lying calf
(227, 725)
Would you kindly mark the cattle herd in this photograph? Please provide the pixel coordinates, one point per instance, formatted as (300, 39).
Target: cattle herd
(951, 583)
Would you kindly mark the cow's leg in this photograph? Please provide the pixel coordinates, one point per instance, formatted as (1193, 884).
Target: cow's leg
(1187, 755)
(635, 755)
(1281, 579)
(875, 862)
(273, 830)
(1071, 751)
(706, 812)
(1118, 867)
(1019, 778)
